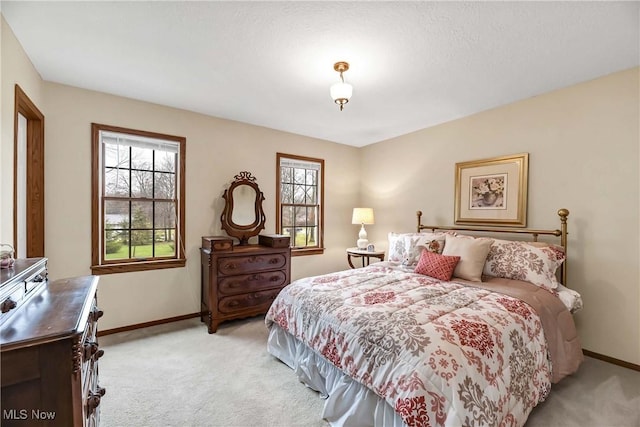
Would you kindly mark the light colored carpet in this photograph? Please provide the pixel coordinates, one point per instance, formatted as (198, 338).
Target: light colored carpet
(178, 375)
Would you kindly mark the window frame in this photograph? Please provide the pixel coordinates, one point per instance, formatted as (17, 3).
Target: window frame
(309, 250)
(99, 265)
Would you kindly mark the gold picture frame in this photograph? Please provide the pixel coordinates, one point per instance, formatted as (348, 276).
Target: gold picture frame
(492, 191)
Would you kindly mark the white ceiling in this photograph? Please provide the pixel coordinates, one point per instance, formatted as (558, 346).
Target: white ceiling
(413, 64)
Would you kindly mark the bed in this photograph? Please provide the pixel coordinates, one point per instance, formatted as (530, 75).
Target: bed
(457, 327)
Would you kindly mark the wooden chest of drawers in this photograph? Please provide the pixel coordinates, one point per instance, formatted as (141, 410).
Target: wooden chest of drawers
(49, 356)
(241, 281)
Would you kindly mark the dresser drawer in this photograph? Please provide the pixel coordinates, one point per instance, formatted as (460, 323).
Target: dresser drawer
(250, 264)
(18, 289)
(92, 397)
(11, 298)
(245, 283)
(237, 303)
(90, 350)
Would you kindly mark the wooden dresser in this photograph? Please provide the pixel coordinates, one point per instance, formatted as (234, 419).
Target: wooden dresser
(240, 281)
(49, 351)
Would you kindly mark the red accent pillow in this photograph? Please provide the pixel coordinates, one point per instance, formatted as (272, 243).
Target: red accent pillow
(436, 265)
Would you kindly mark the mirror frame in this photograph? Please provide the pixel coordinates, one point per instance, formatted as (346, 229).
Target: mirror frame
(243, 232)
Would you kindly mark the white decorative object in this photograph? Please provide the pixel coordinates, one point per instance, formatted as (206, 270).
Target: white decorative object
(6, 256)
(362, 216)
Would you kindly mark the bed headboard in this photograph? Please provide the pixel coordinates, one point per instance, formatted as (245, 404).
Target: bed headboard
(531, 233)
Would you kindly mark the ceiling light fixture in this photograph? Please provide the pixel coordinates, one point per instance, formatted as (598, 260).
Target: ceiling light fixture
(341, 91)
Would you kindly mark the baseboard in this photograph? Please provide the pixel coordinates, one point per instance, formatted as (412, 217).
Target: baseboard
(147, 324)
(611, 360)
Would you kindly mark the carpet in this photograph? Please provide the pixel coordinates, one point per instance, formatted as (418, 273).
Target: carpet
(179, 375)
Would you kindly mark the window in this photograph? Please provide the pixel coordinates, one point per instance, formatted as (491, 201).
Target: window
(300, 200)
(138, 200)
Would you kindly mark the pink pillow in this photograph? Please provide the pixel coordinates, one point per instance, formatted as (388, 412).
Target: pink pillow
(436, 265)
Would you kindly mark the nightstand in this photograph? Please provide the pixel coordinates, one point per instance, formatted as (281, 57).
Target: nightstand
(364, 254)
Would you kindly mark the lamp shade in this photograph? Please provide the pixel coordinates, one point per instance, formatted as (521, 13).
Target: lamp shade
(341, 90)
(362, 216)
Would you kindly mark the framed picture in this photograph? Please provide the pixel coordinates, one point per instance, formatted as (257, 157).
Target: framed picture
(492, 191)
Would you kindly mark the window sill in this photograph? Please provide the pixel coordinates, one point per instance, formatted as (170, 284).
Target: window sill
(137, 266)
(306, 251)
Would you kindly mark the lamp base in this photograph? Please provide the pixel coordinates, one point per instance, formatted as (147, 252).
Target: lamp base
(362, 238)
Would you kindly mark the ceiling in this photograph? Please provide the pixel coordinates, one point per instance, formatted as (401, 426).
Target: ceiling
(412, 64)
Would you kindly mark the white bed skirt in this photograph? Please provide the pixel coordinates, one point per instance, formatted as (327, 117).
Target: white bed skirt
(347, 402)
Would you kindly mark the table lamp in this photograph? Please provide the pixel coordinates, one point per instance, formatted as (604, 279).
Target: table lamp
(362, 216)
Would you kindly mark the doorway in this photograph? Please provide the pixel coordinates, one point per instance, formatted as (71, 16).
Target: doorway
(28, 177)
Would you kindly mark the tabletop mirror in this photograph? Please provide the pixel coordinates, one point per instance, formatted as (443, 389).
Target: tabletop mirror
(243, 216)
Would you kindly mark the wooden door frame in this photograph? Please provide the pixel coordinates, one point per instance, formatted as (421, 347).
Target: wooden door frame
(35, 174)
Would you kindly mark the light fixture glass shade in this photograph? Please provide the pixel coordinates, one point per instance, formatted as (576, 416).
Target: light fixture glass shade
(362, 216)
(341, 90)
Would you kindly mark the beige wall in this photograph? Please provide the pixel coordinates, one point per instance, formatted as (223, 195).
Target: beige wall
(583, 155)
(216, 151)
(16, 68)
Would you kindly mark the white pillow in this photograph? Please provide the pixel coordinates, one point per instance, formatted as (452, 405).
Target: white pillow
(571, 299)
(533, 262)
(407, 247)
(472, 252)
(396, 249)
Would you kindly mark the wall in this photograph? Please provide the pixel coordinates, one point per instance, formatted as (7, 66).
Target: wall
(583, 155)
(216, 151)
(582, 140)
(16, 68)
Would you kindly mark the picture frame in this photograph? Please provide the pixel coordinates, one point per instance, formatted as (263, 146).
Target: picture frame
(492, 191)
(371, 248)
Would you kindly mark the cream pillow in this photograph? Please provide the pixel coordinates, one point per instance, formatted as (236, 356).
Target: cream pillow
(472, 252)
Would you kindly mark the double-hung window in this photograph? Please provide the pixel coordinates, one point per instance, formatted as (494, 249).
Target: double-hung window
(300, 202)
(138, 200)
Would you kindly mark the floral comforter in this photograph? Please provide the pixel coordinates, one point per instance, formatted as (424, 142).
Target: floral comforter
(440, 353)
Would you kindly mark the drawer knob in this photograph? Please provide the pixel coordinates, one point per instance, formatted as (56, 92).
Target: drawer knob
(93, 401)
(96, 314)
(91, 349)
(7, 305)
(274, 261)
